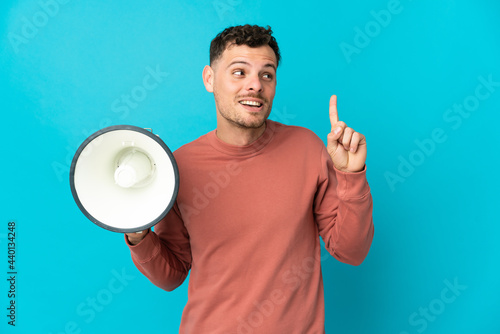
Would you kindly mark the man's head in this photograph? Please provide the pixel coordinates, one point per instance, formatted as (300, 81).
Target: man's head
(252, 36)
(242, 75)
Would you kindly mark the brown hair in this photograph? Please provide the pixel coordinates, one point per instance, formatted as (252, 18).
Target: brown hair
(252, 36)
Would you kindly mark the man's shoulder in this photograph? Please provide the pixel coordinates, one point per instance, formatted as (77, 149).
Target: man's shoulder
(196, 146)
(296, 134)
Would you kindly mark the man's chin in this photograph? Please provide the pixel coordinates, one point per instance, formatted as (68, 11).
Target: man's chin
(252, 124)
(247, 120)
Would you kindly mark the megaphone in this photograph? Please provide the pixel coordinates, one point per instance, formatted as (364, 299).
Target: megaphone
(124, 178)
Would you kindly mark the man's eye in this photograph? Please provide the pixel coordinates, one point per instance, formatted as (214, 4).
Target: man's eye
(238, 72)
(268, 76)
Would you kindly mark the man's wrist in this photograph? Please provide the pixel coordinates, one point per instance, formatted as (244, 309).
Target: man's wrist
(350, 171)
(137, 237)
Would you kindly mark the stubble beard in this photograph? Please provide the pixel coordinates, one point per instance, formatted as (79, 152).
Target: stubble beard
(235, 117)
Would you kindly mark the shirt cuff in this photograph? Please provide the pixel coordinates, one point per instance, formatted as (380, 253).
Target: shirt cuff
(146, 249)
(352, 185)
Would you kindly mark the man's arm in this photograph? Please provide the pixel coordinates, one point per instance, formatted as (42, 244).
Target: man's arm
(343, 211)
(162, 255)
(343, 203)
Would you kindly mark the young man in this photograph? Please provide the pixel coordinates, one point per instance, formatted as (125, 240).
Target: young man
(254, 197)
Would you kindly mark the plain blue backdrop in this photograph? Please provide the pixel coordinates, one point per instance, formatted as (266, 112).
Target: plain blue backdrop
(421, 79)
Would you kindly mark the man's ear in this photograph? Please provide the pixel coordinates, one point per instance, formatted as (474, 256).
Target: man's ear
(208, 78)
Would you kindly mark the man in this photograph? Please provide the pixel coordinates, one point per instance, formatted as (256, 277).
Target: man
(254, 197)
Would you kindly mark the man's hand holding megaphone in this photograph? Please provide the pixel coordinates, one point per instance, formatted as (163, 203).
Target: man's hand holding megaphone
(136, 237)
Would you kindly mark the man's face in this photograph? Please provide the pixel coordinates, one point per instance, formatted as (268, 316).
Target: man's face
(244, 84)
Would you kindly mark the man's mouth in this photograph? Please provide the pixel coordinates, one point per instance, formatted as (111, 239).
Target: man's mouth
(253, 104)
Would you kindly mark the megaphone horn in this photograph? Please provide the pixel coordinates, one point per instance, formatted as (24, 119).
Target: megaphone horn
(124, 178)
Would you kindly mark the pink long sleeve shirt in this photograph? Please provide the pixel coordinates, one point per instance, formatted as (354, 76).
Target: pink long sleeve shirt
(247, 222)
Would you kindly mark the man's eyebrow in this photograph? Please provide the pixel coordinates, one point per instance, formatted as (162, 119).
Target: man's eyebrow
(248, 64)
(238, 62)
(271, 65)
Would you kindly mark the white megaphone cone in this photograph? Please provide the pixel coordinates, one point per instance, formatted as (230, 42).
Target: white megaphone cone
(124, 178)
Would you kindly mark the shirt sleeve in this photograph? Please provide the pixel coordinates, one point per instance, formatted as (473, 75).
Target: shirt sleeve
(343, 210)
(164, 256)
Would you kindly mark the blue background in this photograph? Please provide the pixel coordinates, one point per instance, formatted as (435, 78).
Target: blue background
(65, 68)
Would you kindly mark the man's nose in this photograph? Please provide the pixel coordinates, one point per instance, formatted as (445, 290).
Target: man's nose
(254, 83)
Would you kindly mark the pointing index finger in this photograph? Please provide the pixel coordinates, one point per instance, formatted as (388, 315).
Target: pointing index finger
(334, 116)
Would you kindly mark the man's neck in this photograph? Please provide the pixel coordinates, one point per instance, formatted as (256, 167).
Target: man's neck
(234, 135)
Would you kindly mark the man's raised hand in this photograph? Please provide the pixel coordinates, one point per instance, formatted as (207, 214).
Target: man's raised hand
(346, 147)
